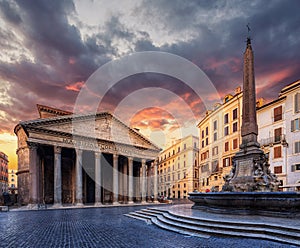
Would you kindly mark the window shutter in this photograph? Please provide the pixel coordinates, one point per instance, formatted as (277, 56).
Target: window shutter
(297, 101)
(293, 168)
(292, 126)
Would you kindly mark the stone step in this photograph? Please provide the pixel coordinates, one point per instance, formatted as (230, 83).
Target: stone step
(287, 232)
(204, 228)
(215, 230)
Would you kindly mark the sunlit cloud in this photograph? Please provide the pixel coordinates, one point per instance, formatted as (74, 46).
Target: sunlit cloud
(75, 87)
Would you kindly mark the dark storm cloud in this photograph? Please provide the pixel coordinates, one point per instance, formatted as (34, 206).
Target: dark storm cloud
(7, 8)
(211, 34)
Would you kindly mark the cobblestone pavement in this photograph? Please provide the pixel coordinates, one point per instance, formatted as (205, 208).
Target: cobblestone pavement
(100, 227)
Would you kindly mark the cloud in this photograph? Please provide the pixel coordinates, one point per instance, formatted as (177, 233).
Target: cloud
(49, 50)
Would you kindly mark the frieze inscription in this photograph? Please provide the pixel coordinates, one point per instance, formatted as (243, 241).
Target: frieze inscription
(103, 147)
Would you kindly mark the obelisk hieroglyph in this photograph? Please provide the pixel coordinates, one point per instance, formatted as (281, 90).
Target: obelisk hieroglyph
(250, 167)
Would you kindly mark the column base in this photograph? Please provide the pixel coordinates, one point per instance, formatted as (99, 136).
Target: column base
(144, 202)
(130, 202)
(155, 201)
(116, 203)
(33, 206)
(98, 204)
(79, 205)
(57, 205)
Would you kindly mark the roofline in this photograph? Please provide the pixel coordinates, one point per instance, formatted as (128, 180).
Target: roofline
(73, 117)
(53, 110)
(272, 102)
(221, 106)
(290, 86)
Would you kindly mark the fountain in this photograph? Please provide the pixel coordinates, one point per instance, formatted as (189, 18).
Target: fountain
(250, 188)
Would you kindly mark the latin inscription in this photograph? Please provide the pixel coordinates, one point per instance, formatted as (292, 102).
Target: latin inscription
(109, 148)
(244, 168)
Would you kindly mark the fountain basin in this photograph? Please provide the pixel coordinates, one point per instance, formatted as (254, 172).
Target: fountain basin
(282, 204)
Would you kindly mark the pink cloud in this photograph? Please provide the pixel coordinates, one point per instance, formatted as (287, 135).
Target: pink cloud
(75, 87)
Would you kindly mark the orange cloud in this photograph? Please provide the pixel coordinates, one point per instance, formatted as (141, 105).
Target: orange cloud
(75, 87)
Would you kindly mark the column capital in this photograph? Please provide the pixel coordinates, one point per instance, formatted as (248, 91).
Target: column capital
(143, 161)
(32, 145)
(97, 154)
(115, 155)
(79, 152)
(130, 159)
(57, 149)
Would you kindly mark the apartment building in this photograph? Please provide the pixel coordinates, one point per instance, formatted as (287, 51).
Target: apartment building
(178, 168)
(278, 134)
(219, 141)
(3, 172)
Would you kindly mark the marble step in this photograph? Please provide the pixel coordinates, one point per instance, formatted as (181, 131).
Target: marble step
(288, 232)
(202, 227)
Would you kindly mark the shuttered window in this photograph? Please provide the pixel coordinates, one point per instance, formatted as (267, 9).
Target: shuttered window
(277, 152)
(297, 147)
(277, 134)
(278, 113)
(297, 103)
(235, 143)
(278, 169)
(295, 125)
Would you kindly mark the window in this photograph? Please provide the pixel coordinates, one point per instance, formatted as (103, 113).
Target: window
(206, 141)
(234, 114)
(226, 146)
(278, 169)
(206, 130)
(215, 166)
(184, 185)
(202, 143)
(215, 151)
(295, 125)
(183, 163)
(215, 125)
(277, 152)
(234, 127)
(202, 134)
(195, 145)
(215, 136)
(296, 167)
(226, 130)
(235, 144)
(226, 119)
(178, 165)
(184, 146)
(226, 162)
(297, 147)
(297, 103)
(278, 113)
(277, 134)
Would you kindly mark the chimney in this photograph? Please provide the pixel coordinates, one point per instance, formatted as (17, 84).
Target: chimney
(237, 90)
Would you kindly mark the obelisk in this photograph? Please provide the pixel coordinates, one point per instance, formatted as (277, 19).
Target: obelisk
(250, 167)
(249, 128)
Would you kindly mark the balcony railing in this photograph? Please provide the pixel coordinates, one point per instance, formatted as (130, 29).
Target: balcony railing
(273, 140)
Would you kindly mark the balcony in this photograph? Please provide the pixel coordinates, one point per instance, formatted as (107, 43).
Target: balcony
(273, 140)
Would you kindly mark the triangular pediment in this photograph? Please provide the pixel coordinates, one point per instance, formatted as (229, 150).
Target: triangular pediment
(102, 126)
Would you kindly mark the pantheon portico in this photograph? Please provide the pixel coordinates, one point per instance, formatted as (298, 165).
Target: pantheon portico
(83, 159)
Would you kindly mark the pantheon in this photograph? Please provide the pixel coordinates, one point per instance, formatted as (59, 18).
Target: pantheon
(68, 159)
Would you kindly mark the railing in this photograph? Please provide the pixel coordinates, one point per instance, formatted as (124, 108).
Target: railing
(273, 140)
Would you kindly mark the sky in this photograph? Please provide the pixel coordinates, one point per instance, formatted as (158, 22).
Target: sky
(49, 50)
